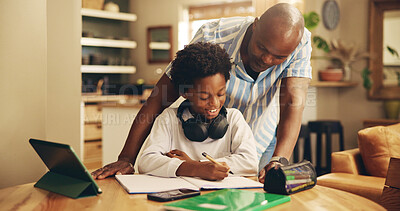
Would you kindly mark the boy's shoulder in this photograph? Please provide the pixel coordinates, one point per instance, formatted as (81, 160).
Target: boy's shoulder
(169, 114)
(233, 114)
(233, 111)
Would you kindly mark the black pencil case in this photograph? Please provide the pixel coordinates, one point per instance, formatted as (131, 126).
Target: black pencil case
(290, 178)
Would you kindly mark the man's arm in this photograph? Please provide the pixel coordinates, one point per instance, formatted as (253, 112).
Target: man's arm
(163, 95)
(292, 100)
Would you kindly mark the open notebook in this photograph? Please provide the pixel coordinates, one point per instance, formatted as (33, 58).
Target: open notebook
(142, 183)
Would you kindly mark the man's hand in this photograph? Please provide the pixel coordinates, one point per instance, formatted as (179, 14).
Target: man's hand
(270, 165)
(178, 154)
(119, 167)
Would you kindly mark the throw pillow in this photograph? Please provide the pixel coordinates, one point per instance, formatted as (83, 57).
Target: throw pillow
(377, 145)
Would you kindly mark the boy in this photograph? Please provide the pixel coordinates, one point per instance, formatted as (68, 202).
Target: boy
(201, 123)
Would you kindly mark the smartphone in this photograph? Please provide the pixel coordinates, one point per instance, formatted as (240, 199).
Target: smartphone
(171, 195)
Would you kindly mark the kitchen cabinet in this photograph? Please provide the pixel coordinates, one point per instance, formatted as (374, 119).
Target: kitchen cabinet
(117, 121)
(94, 124)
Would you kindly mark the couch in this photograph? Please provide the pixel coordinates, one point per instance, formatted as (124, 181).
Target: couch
(363, 170)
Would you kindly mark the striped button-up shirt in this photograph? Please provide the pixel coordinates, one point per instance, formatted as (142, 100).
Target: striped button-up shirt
(256, 99)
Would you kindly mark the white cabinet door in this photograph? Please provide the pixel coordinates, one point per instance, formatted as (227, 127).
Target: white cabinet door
(116, 124)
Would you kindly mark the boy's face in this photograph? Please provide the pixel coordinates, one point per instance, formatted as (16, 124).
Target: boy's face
(207, 95)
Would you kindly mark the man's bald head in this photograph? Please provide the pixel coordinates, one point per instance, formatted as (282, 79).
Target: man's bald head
(273, 37)
(283, 20)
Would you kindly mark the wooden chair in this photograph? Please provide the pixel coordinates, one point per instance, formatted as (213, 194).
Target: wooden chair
(327, 127)
(306, 149)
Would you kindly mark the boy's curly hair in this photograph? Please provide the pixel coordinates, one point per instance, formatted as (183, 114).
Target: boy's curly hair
(198, 60)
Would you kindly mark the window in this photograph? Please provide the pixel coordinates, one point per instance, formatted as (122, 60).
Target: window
(198, 15)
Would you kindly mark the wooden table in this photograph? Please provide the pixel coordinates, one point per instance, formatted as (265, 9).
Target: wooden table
(114, 197)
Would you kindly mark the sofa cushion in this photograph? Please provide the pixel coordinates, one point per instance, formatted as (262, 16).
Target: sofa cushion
(365, 186)
(377, 145)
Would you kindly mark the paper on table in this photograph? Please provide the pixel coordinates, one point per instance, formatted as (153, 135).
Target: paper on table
(141, 183)
(231, 181)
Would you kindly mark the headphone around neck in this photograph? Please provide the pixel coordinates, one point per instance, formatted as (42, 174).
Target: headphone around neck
(197, 130)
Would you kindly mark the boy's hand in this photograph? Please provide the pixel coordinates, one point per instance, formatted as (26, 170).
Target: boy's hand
(178, 154)
(212, 171)
(205, 170)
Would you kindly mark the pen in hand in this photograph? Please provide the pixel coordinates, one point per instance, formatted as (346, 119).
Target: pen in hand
(212, 160)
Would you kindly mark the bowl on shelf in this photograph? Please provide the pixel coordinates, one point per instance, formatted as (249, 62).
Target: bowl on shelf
(331, 75)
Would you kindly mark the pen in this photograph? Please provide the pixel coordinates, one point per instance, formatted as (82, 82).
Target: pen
(212, 160)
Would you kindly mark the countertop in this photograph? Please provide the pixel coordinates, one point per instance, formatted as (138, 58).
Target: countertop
(114, 100)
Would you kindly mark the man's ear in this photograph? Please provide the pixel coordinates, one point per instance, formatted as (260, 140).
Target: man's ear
(254, 23)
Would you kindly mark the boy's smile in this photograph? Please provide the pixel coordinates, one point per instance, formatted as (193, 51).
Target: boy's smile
(207, 96)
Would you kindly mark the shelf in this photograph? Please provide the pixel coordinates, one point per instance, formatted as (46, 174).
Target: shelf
(98, 42)
(333, 84)
(107, 69)
(159, 45)
(108, 15)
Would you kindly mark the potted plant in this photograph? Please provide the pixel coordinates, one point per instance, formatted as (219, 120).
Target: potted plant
(346, 54)
(342, 54)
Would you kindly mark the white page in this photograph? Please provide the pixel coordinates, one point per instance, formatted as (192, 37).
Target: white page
(142, 183)
(231, 181)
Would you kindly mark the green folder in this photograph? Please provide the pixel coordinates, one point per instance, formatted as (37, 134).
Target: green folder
(67, 175)
(230, 199)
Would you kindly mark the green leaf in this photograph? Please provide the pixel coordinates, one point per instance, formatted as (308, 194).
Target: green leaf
(321, 43)
(392, 51)
(311, 20)
(366, 80)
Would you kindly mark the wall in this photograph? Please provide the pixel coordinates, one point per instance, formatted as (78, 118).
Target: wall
(39, 82)
(349, 105)
(353, 104)
(63, 117)
(151, 13)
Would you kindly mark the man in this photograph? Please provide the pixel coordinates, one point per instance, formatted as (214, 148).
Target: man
(271, 53)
